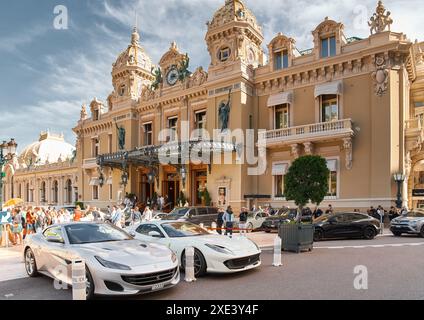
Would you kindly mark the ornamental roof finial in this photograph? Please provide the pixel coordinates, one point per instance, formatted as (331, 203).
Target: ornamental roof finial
(380, 20)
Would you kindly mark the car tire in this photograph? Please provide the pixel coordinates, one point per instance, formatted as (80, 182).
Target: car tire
(30, 263)
(422, 232)
(267, 231)
(249, 227)
(318, 235)
(90, 285)
(369, 233)
(200, 266)
(397, 234)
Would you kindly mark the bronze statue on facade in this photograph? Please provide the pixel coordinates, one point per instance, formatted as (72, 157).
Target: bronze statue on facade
(121, 136)
(224, 112)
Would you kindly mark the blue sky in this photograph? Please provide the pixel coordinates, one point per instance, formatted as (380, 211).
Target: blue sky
(46, 74)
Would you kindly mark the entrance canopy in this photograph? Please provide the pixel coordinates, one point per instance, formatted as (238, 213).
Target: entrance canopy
(153, 156)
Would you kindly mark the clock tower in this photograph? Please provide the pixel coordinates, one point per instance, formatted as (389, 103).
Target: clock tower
(131, 71)
(234, 38)
(171, 65)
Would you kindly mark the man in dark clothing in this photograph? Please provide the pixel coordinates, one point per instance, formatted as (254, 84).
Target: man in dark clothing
(220, 221)
(393, 213)
(243, 221)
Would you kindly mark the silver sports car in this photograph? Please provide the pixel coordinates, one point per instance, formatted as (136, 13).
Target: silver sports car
(116, 263)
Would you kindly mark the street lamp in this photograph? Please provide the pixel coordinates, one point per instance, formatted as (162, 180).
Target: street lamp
(399, 179)
(183, 175)
(7, 152)
(124, 179)
(101, 180)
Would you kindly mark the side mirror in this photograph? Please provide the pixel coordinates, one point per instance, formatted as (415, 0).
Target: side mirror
(132, 234)
(154, 234)
(53, 239)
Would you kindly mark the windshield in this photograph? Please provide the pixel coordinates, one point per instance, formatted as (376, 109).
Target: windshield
(182, 230)
(177, 213)
(322, 218)
(94, 233)
(416, 214)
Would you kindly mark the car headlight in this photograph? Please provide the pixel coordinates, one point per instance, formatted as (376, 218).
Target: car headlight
(257, 247)
(219, 249)
(414, 223)
(112, 265)
(174, 257)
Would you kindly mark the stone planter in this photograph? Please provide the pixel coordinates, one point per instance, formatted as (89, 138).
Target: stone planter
(297, 237)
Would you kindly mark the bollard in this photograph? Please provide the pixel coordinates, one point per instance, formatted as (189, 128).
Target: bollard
(189, 265)
(202, 225)
(382, 228)
(277, 252)
(79, 280)
(213, 226)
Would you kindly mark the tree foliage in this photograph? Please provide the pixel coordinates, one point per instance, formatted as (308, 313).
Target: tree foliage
(307, 180)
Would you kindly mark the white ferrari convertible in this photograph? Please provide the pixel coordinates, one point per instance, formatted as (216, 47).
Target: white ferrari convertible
(213, 253)
(116, 263)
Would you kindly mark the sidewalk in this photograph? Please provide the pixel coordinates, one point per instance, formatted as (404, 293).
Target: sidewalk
(11, 264)
(266, 240)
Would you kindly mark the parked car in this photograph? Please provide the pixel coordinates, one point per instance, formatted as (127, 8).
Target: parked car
(213, 253)
(254, 220)
(272, 223)
(116, 263)
(346, 226)
(196, 215)
(411, 223)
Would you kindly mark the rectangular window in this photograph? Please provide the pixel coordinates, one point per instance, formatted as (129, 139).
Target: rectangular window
(279, 170)
(329, 108)
(279, 186)
(109, 143)
(95, 192)
(110, 192)
(332, 179)
(95, 115)
(281, 60)
(95, 147)
(201, 122)
(173, 127)
(148, 134)
(282, 117)
(328, 47)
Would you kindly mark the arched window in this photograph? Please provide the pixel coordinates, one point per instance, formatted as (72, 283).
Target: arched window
(68, 191)
(43, 192)
(27, 197)
(55, 192)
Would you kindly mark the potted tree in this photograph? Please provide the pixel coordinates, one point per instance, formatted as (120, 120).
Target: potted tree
(306, 181)
(206, 197)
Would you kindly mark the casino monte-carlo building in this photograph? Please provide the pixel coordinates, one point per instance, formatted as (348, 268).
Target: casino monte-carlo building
(359, 103)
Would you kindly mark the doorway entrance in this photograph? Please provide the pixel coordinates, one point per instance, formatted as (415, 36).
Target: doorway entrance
(200, 178)
(171, 190)
(147, 189)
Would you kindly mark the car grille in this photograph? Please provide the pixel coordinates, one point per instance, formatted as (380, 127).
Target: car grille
(150, 278)
(242, 262)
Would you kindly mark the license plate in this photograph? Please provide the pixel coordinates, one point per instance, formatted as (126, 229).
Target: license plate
(158, 286)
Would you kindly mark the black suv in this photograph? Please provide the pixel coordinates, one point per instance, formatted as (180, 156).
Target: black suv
(196, 215)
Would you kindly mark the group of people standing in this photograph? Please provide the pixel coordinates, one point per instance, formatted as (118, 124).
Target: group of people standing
(29, 220)
(226, 219)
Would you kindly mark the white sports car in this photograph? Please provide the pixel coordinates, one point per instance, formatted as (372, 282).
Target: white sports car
(116, 263)
(213, 253)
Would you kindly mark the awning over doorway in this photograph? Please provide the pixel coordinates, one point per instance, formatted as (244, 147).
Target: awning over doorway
(280, 98)
(334, 87)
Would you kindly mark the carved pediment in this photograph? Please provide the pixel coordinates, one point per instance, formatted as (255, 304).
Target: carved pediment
(172, 57)
(198, 78)
(327, 27)
(281, 42)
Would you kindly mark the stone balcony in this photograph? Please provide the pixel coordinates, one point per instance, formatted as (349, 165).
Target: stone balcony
(317, 132)
(90, 163)
(414, 134)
